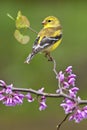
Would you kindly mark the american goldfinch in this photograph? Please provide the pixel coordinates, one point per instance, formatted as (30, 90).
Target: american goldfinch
(48, 38)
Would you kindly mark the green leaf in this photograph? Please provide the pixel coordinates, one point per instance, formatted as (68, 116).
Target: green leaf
(22, 21)
(23, 39)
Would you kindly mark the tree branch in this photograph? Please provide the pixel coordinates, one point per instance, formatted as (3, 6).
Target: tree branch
(82, 102)
(36, 92)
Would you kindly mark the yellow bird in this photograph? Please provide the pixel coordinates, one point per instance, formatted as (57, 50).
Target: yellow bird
(48, 38)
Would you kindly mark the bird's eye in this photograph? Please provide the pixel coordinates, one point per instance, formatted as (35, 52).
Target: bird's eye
(49, 20)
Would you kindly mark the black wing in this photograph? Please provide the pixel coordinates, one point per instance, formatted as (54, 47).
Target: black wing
(48, 41)
(45, 42)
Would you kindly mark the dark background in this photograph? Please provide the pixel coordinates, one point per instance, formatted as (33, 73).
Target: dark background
(72, 51)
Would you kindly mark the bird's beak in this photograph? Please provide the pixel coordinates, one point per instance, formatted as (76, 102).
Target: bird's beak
(43, 22)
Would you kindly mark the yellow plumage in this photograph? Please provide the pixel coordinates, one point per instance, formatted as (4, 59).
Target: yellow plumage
(48, 38)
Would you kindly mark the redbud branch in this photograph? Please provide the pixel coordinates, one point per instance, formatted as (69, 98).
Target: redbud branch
(82, 102)
(51, 95)
(36, 92)
(60, 94)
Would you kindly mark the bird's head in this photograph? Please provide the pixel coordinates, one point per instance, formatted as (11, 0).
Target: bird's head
(50, 21)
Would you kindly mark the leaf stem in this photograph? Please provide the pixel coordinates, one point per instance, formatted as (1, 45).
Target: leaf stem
(33, 30)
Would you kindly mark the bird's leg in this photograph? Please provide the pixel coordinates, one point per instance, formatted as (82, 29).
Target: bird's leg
(47, 55)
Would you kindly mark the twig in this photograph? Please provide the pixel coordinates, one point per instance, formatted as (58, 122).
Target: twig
(54, 67)
(56, 73)
(65, 118)
(36, 92)
(33, 30)
(82, 102)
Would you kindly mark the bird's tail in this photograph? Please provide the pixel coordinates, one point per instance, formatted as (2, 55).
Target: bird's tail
(29, 58)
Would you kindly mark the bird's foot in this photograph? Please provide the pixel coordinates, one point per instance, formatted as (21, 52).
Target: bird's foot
(50, 58)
